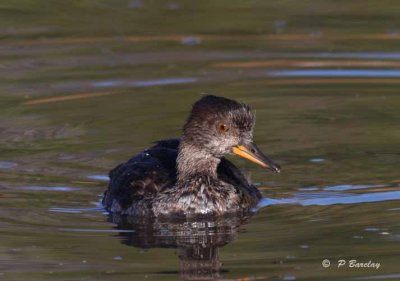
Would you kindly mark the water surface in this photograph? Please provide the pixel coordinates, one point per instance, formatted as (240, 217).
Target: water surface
(86, 84)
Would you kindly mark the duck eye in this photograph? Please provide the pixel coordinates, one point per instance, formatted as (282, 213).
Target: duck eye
(223, 127)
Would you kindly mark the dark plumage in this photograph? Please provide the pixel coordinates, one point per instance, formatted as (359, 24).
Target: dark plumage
(190, 176)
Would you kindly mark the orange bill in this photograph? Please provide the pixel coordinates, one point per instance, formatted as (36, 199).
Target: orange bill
(251, 152)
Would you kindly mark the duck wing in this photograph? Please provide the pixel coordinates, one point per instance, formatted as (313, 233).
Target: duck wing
(142, 176)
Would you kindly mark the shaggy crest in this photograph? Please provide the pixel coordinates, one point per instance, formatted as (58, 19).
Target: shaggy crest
(214, 107)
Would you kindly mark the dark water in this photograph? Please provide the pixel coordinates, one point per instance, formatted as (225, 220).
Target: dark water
(86, 84)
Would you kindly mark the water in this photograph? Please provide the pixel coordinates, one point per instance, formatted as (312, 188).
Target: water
(84, 85)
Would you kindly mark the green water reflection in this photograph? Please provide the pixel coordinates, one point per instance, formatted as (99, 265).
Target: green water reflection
(86, 84)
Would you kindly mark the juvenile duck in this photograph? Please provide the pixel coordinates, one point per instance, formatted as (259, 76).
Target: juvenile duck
(189, 176)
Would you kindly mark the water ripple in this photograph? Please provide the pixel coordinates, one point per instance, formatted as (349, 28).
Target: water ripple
(48, 188)
(99, 177)
(344, 187)
(377, 277)
(95, 230)
(7, 165)
(351, 55)
(389, 73)
(326, 198)
(144, 83)
(76, 210)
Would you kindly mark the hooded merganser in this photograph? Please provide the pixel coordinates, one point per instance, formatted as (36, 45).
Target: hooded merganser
(189, 176)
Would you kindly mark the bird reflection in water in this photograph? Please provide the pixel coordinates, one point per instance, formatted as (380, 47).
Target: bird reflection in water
(198, 240)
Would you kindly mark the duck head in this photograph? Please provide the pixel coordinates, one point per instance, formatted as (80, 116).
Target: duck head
(218, 126)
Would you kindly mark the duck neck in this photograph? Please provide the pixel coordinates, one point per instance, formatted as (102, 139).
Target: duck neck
(193, 162)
